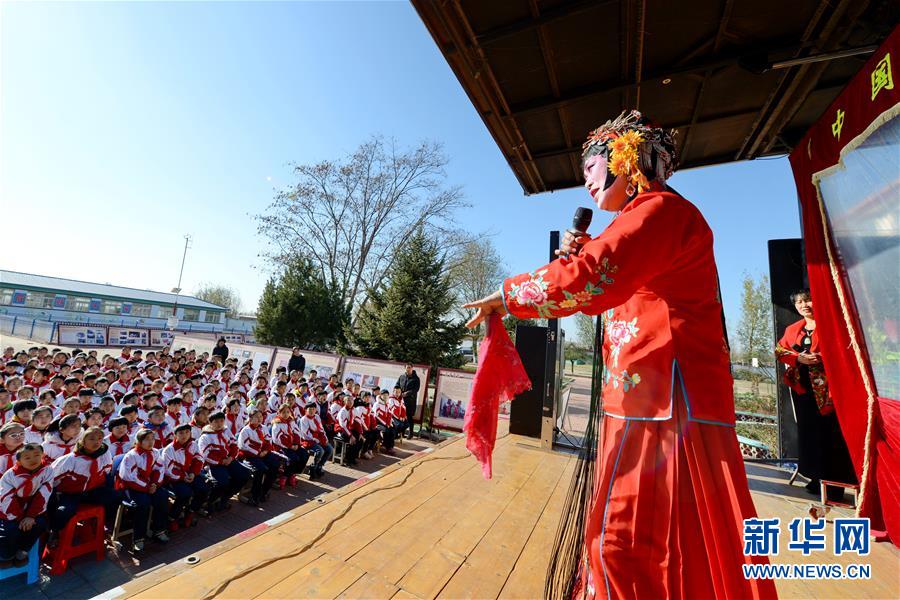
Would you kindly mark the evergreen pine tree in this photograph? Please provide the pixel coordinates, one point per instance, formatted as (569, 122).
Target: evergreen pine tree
(298, 308)
(409, 320)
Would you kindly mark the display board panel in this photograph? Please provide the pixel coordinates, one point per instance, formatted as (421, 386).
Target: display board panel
(162, 337)
(451, 399)
(191, 342)
(325, 364)
(82, 335)
(370, 372)
(127, 336)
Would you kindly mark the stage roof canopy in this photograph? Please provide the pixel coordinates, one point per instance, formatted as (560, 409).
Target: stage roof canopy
(736, 78)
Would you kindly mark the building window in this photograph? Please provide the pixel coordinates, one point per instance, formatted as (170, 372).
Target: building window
(6, 296)
(77, 303)
(38, 300)
(141, 310)
(212, 317)
(191, 314)
(111, 307)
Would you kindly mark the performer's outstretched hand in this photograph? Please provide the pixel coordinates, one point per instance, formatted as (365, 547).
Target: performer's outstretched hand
(486, 306)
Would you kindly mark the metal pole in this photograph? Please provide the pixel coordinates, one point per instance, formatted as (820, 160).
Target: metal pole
(187, 241)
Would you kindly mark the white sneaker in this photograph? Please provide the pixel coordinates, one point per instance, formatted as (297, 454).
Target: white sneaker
(138, 546)
(369, 454)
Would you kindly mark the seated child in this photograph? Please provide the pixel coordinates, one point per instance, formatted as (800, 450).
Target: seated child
(256, 450)
(140, 477)
(185, 477)
(219, 450)
(12, 437)
(314, 440)
(80, 477)
(24, 491)
(286, 439)
(61, 436)
(40, 420)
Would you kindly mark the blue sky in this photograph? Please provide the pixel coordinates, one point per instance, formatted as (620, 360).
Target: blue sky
(125, 125)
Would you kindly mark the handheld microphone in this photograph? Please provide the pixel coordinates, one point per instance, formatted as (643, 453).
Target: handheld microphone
(580, 222)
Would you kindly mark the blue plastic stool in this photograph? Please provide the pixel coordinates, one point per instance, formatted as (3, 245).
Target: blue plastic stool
(30, 569)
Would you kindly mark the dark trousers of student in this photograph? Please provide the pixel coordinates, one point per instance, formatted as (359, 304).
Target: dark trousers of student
(399, 427)
(387, 436)
(351, 448)
(229, 479)
(143, 501)
(265, 470)
(192, 494)
(370, 436)
(320, 455)
(297, 460)
(63, 507)
(13, 539)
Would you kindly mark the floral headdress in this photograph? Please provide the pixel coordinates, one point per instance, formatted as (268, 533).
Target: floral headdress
(637, 150)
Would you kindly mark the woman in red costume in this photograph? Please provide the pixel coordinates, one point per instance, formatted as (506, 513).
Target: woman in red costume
(663, 517)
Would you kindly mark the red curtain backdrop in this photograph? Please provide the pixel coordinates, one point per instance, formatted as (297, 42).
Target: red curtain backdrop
(848, 116)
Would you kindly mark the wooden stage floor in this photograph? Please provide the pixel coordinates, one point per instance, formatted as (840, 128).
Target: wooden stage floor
(431, 526)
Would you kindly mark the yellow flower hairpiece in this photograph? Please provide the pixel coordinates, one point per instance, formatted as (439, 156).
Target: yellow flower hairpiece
(623, 159)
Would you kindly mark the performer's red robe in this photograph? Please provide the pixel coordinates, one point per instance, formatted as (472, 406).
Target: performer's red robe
(671, 492)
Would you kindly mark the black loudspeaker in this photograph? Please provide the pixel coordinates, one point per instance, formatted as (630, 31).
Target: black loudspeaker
(787, 274)
(526, 408)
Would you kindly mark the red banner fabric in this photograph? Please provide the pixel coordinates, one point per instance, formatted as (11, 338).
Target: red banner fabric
(870, 424)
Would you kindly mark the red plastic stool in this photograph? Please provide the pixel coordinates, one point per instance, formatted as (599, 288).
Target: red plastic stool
(87, 523)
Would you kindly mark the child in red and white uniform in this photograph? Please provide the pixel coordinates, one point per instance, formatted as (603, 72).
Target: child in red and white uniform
(234, 417)
(184, 476)
(156, 422)
(314, 440)
(362, 428)
(140, 476)
(40, 420)
(255, 448)
(12, 437)
(199, 420)
(61, 437)
(118, 440)
(346, 432)
(219, 450)
(286, 439)
(131, 415)
(24, 492)
(384, 422)
(82, 476)
(397, 407)
(175, 414)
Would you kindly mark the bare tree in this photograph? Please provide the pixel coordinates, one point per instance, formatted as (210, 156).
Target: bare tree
(586, 328)
(221, 295)
(475, 270)
(348, 216)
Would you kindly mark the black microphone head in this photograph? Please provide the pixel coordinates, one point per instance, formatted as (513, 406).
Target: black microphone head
(582, 219)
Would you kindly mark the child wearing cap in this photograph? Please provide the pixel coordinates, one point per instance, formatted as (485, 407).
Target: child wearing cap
(24, 492)
(156, 423)
(219, 450)
(117, 439)
(140, 477)
(255, 449)
(184, 476)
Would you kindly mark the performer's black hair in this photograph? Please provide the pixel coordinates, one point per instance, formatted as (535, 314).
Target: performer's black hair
(568, 559)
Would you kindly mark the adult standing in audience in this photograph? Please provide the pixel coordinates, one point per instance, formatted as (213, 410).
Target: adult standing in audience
(409, 387)
(297, 362)
(221, 350)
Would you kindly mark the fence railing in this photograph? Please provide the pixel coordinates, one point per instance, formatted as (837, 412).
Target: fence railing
(33, 329)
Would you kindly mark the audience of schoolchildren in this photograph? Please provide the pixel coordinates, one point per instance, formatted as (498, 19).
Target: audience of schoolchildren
(174, 436)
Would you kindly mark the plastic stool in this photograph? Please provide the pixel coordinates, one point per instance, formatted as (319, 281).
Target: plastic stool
(68, 548)
(30, 569)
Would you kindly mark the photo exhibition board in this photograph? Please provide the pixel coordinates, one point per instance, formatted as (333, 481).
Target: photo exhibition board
(370, 372)
(82, 335)
(451, 399)
(162, 337)
(325, 364)
(127, 336)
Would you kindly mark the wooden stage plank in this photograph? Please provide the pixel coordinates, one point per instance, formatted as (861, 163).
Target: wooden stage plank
(446, 532)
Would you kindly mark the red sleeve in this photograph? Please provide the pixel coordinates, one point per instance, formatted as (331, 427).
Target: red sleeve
(784, 349)
(196, 465)
(641, 243)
